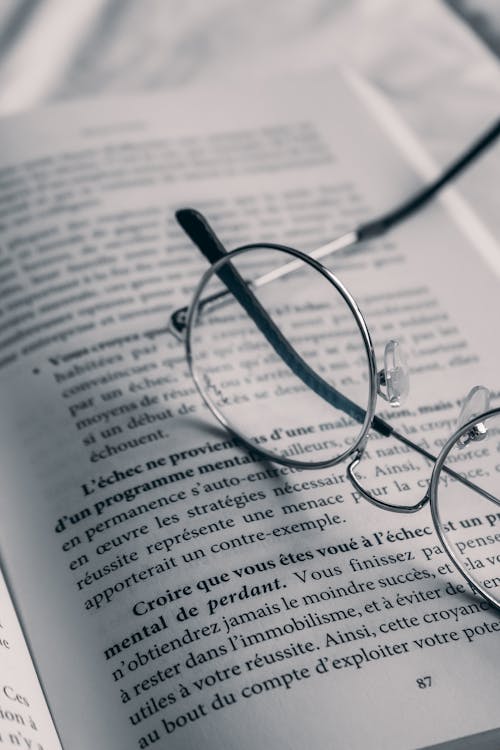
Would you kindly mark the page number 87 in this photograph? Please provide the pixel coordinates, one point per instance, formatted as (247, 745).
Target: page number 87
(424, 682)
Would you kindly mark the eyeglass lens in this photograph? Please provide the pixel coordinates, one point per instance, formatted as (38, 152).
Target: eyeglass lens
(469, 520)
(257, 389)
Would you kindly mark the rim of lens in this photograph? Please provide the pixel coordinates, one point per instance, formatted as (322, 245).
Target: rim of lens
(434, 502)
(360, 322)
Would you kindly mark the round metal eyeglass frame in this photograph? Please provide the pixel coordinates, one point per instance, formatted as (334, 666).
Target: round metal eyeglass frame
(182, 320)
(193, 316)
(370, 421)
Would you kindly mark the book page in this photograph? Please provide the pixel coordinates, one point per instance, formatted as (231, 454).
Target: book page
(24, 717)
(179, 589)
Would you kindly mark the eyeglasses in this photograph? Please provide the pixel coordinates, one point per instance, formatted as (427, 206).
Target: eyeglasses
(283, 358)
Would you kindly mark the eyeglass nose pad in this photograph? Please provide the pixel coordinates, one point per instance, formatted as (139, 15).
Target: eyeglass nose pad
(395, 377)
(475, 403)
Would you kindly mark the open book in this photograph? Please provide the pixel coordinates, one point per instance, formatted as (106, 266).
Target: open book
(172, 589)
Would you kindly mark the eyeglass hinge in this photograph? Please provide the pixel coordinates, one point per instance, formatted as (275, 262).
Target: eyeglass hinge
(177, 323)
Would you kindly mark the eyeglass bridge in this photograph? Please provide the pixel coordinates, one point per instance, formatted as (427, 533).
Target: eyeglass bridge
(178, 323)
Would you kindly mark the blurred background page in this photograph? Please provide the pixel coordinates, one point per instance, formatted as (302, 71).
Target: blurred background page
(436, 61)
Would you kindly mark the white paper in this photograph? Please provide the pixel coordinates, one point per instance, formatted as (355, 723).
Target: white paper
(97, 264)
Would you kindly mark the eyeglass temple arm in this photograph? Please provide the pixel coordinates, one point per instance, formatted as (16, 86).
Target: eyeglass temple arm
(380, 225)
(198, 229)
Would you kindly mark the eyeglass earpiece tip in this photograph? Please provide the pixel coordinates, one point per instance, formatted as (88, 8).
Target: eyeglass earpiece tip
(200, 232)
(186, 217)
